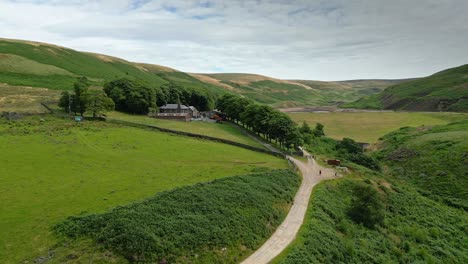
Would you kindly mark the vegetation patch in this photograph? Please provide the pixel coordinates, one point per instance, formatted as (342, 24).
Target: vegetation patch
(434, 159)
(219, 221)
(415, 229)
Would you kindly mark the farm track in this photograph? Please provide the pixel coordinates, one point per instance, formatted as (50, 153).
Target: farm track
(312, 174)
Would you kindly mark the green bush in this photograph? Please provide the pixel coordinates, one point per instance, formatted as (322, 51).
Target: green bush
(367, 207)
(193, 222)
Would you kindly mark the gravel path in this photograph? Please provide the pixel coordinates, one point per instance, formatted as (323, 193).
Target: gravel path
(312, 174)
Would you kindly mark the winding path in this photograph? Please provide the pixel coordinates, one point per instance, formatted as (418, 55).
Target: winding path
(287, 231)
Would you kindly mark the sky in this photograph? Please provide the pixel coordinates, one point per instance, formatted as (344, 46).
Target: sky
(303, 39)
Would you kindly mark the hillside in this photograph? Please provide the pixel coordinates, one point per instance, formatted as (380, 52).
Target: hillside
(433, 159)
(34, 64)
(25, 63)
(339, 92)
(290, 93)
(443, 91)
(418, 203)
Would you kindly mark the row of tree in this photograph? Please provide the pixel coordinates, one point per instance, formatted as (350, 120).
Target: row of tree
(266, 121)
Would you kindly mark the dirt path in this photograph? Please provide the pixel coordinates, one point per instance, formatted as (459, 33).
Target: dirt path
(287, 231)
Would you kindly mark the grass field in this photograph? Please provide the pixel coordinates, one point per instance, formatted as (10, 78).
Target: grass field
(224, 131)
(54, 169)
(370, 126)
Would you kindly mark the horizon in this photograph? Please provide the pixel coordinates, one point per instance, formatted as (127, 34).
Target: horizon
(290, 40)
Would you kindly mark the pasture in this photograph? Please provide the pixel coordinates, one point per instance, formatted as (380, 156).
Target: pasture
(55, 168)
(224, 131)
(370, 126)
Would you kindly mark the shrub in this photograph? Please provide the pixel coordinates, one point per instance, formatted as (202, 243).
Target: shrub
(367, 207)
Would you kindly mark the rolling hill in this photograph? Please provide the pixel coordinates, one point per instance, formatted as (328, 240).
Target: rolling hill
(290, 93)
(35, 64)
(25, 63)
(443, 91)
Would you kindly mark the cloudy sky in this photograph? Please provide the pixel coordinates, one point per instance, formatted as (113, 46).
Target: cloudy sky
(304, 39)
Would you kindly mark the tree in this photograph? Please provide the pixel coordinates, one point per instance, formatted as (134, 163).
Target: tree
(368, 206)
(80, 87)
(307, 133)
(97, 102)
(349, 145)
(64, 101)
(318, 131)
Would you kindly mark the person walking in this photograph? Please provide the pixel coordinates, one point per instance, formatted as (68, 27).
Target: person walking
(320, 172)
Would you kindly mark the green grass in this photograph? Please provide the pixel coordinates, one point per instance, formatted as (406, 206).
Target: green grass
(433, 159)
(370, 126)
(416, 229)
(57, 168)
(218, 222)
(224, 131)
(425, 94)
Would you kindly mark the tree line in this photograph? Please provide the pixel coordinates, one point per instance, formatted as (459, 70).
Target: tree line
(267, 122)
(131, 96)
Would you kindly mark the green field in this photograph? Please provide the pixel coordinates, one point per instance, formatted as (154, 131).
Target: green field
(224, 131)
(55, 168)
(370, 126)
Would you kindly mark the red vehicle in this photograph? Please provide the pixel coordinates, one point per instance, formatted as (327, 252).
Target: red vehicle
(334, 162)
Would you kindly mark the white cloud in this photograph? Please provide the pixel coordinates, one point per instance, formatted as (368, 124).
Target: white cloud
(325, 40)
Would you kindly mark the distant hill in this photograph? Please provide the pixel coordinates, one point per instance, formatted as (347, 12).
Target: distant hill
(290, 93)
(35, 64)
(444, 91)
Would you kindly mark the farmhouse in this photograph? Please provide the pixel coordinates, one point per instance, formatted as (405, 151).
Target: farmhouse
(177, 112)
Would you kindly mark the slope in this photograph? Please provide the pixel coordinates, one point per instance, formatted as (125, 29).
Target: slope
(35, 64)
(433, 159)
(444, 91)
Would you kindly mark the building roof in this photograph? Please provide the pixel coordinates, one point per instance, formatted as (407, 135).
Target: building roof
(173, 106)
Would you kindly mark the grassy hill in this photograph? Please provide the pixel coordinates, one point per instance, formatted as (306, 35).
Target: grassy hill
(422, 192)
(434, 159)
(35, 64)
(55, 168)
(444, 91)
(28, 63)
